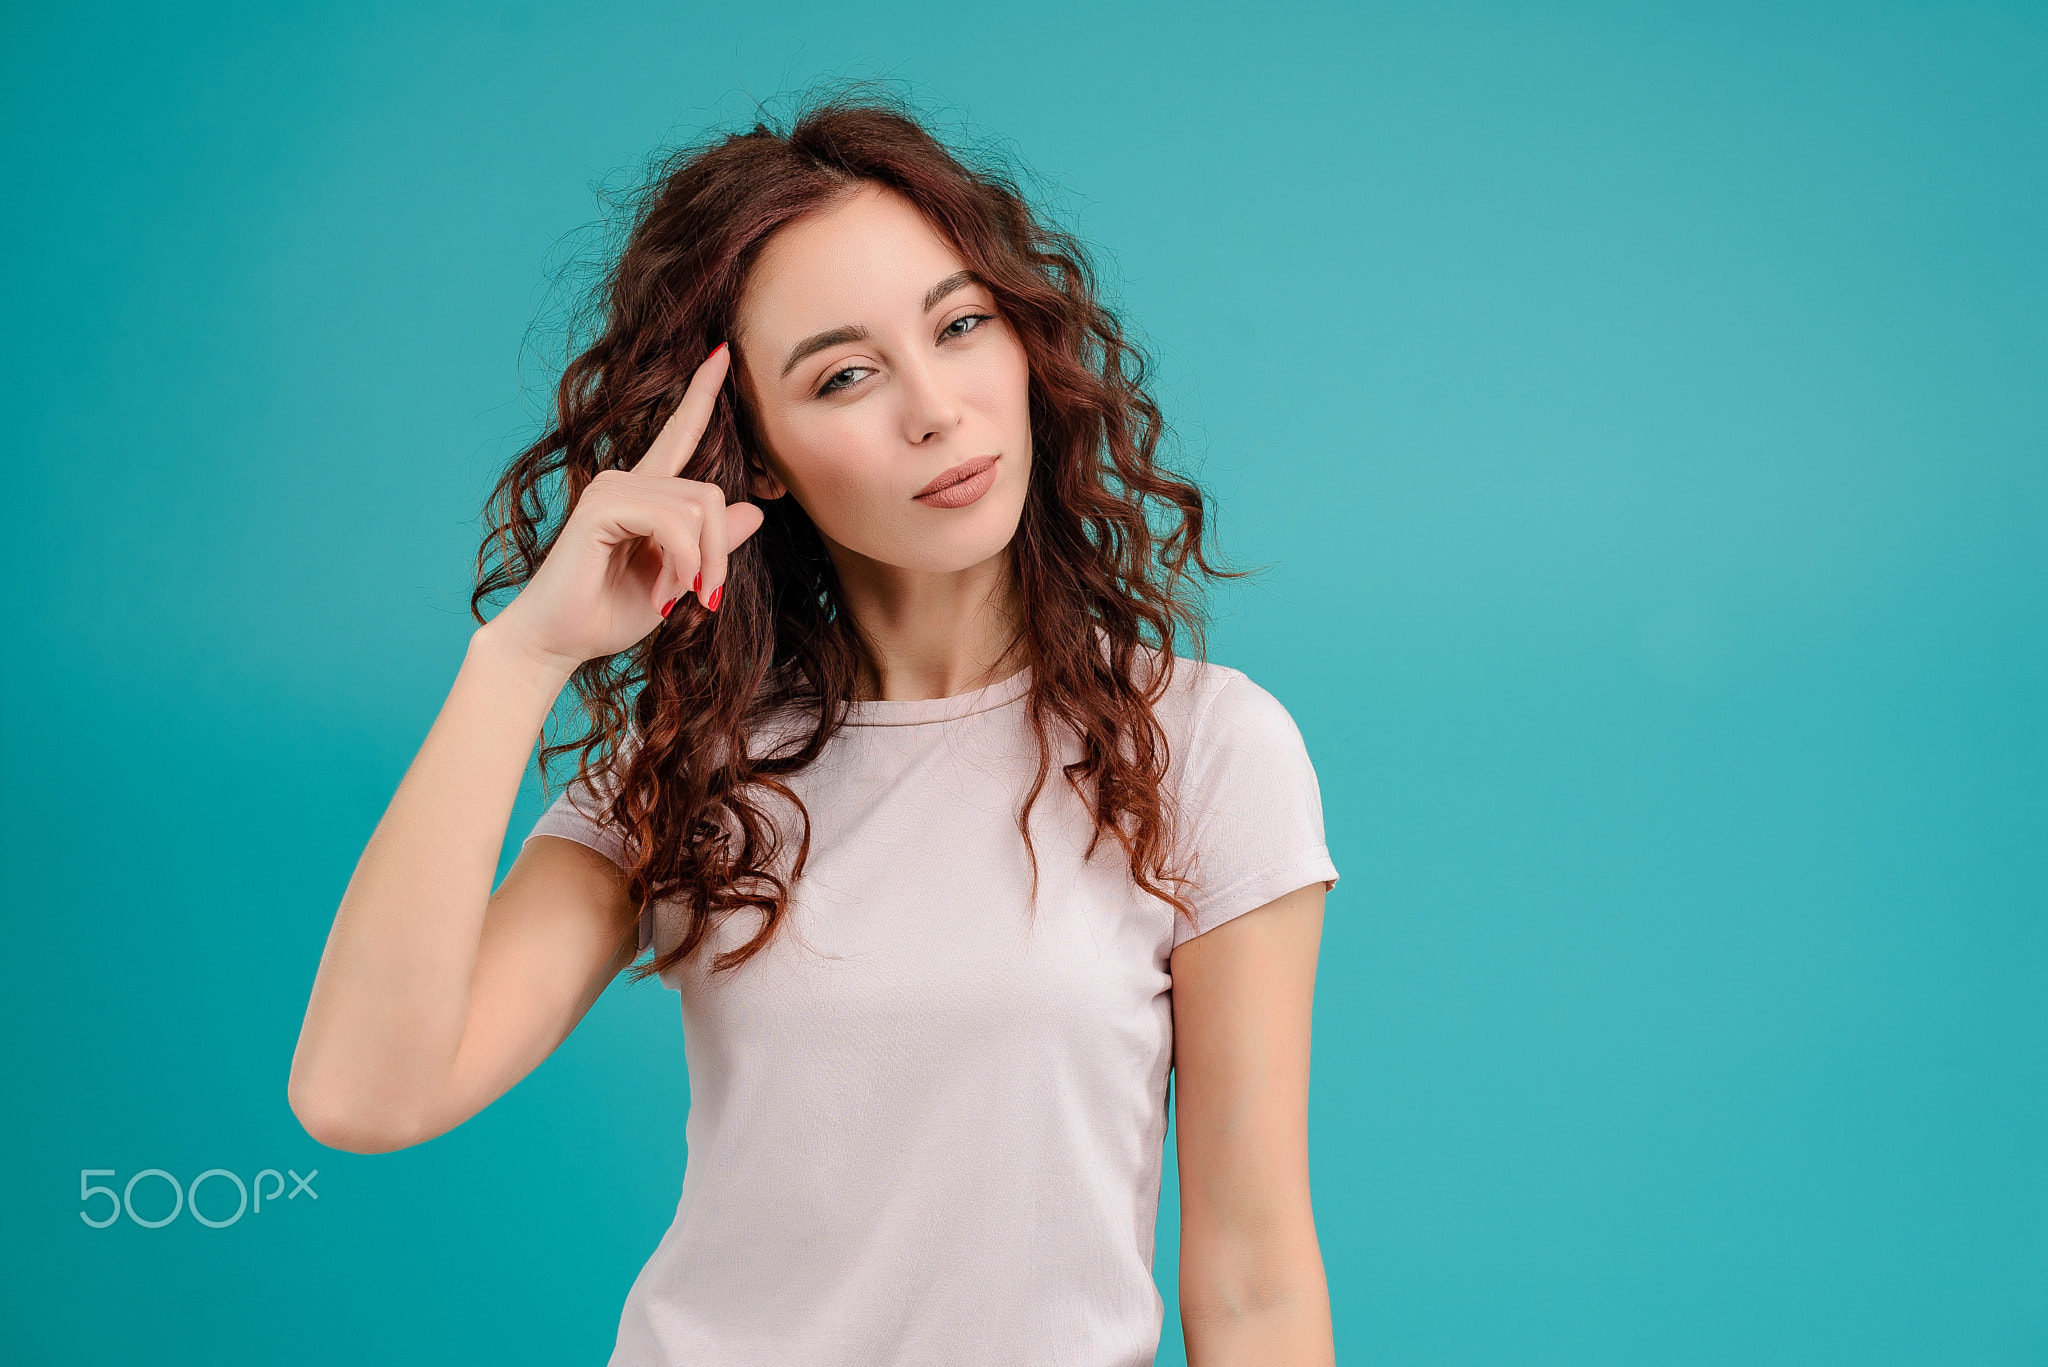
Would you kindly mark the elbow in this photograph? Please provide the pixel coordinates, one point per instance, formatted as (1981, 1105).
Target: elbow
(352, 1128)
(1230, 1285)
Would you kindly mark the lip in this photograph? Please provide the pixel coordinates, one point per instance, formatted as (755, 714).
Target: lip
(959, 485)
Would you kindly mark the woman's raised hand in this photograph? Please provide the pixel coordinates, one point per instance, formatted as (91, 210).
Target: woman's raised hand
(635, 543)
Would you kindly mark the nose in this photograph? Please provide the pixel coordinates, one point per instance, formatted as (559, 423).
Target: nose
(929, 410)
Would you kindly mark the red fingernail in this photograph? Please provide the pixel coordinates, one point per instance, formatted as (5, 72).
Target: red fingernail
(669, 604)
(697, 582)
(716, 594)
(715, 350)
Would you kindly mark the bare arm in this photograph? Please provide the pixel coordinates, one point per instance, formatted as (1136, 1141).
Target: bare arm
(390, 1054)
(434, 994)
(1252, 1287)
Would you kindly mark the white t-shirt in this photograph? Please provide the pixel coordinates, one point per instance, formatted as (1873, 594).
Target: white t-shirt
(926, 1127)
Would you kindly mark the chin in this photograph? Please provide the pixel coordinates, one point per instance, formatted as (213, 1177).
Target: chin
(969, 537)
(957, 553)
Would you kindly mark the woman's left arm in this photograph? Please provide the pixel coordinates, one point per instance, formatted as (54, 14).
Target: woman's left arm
(1252, 1288)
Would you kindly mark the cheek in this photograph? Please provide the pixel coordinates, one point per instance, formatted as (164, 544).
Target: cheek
(841, 462)
(1001, 388)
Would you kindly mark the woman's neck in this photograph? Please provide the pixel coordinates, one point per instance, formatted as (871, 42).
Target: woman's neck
(930, 634)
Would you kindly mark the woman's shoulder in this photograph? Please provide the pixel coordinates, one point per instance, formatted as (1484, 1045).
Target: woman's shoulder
(1235, 756)
(1204, 700)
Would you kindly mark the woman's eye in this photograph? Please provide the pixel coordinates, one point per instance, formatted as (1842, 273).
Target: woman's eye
(834, 384)
(953, 329)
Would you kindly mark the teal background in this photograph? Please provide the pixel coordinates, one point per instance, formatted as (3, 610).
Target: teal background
(1642, 409)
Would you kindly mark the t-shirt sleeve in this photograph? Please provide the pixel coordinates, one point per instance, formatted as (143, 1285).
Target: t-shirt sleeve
(1251, 808)
(577, 814)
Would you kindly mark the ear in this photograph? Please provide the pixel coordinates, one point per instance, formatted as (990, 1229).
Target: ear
(766, 486)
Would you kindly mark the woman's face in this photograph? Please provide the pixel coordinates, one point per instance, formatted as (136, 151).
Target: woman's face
(876, 367)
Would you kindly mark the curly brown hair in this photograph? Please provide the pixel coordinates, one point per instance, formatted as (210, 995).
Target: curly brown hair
(1104, 555)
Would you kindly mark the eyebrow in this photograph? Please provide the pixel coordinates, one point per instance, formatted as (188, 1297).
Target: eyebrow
(811, 346)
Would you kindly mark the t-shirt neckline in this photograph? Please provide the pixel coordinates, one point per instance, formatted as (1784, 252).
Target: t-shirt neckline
(919, 711)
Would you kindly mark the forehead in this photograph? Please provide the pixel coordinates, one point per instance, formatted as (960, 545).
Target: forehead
(863, 258)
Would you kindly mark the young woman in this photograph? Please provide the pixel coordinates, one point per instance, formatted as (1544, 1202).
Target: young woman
(871, 589)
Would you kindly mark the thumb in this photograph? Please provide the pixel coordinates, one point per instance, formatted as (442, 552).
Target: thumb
(742, 520)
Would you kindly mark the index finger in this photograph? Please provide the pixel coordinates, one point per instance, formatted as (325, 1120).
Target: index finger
(678, 438)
